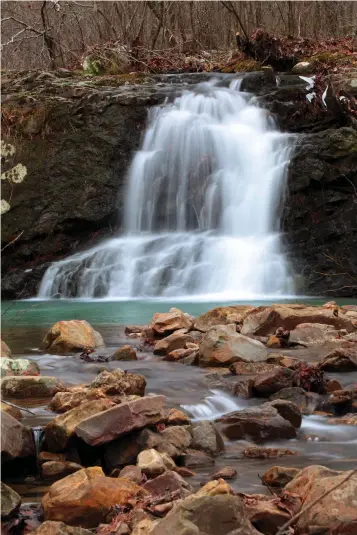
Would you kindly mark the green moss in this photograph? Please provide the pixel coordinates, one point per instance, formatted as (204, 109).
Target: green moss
(116, 80)
(328, 58)
(247, 65)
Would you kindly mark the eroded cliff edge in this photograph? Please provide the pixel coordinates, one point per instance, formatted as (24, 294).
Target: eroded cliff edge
(76, 137)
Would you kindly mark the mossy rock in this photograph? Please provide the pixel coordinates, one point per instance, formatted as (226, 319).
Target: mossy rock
(243, 66)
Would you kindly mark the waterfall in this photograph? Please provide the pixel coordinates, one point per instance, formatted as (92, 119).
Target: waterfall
(201, 211)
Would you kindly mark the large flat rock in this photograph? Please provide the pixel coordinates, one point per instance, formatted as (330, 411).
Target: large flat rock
(121, 419)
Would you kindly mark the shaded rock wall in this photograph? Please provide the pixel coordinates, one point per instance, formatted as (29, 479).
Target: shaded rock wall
(77, 137)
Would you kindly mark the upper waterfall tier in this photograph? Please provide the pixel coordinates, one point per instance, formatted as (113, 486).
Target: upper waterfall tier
(202, 208)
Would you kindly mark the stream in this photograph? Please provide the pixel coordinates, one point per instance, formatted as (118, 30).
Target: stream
(26, 323)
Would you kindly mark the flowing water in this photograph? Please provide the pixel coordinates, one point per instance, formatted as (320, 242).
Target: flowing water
(202, 208)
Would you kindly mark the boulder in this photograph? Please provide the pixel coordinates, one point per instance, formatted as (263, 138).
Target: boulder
(30, 386)
(177, 436)
(59, 469)
(288, 410)
(221, 316)
(144, 527)
(206, 515)
(16, 439)
(65, 401)
(167, 322)
(251, 368)
(196, 459)
(273, 342)
(177, 417)
(45, 456)
(152, 463)
(206, 437)
(279, 476)
(263, 320)
(134, 329)
(256, 423)
(10, 501)
(179, 354)
(227, 472)
(125, 353)
(265, 514)
(10, 409)
(306, 401)
(5, 351)
(214, 488)
(270, 382)
(311, 334)
(343, 359)
(258, 452)
(337, 508)
(122, 451)
(132, 472)
(222, 346)
(121, 419)
(167, 483)
(86, 497)
(332, 385)
(51, 527)
(18, 367)
(71, 336)
(304, 67)
(59, 430)
(118, 382)
(176, 340)
(348, 419)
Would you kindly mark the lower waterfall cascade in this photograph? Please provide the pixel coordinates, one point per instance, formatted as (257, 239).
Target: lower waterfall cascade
(202, 208)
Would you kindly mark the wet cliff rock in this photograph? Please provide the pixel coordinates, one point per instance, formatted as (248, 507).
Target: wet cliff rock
(76, 135)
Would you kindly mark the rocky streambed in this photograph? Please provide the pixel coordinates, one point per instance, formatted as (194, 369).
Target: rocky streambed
(231, 422)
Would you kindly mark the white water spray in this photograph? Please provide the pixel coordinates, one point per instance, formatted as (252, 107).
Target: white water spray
(202, 208)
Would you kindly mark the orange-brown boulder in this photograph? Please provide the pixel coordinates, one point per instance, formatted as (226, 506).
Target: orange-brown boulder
(71, 336)
(85, 497)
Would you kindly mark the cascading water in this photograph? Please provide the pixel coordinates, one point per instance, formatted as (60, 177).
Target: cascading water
(201, 209)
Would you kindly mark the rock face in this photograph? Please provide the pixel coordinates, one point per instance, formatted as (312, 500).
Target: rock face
(207, 515)
(16, 439)
(337, 508)
(10, 501)
(30, 386)
(108, 125)
(263, 320)
(120, 420)
(321, 202)
(256, 423)
(222, 346)
(85, 497)
(71, 336)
